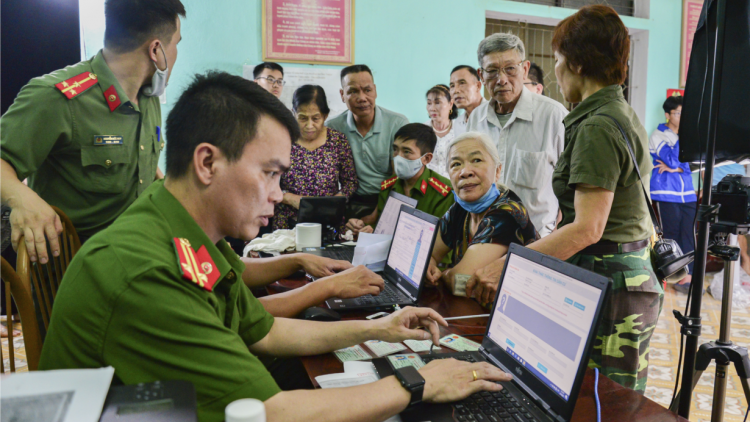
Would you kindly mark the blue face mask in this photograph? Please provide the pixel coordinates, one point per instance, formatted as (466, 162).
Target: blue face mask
(480, 205)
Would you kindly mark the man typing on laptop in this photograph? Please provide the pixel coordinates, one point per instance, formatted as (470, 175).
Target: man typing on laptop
(175, 310)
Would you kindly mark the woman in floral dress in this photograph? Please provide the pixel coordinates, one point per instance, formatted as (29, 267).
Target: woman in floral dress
(322, 161)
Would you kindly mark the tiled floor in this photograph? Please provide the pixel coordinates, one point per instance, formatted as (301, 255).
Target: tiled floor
(665, 348)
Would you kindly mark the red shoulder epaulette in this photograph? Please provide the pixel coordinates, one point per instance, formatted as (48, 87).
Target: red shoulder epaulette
(77, 84)
(197, 267)
(388, 183)
(440, 186)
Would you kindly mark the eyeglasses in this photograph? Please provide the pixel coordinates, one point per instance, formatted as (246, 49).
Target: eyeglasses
(531, 83)
(675, 113)
(495, 73)
(272, 81)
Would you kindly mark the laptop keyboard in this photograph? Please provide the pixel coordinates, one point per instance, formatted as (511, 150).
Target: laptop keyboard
(485, 406)
(389, 294)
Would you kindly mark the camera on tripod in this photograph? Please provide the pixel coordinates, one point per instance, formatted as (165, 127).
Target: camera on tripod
(732, 196)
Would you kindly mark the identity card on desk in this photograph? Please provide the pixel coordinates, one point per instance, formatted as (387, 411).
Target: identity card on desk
(459, 343)
(352, 353)
(382, 348)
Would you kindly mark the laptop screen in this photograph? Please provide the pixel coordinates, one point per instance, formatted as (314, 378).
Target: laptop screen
(387, 220)
(410, 249)
(542, 319)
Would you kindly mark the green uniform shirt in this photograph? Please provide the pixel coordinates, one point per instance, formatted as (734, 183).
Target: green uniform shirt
(125, 302)
(596, 154)
(373, 152)
(432, 190)
(52, 140)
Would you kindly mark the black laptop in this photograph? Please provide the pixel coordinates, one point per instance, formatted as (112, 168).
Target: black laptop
(541, 329)
(405, 268)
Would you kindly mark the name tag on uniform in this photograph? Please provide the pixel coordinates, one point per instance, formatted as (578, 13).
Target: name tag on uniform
(107, 140)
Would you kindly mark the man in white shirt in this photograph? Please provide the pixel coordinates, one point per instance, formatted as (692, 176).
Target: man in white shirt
(526, 127)
(466, 92)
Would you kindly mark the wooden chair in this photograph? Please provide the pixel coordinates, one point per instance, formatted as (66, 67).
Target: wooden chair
(36, 286)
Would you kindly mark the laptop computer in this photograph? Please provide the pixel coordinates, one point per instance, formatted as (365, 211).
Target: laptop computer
(407, 263)
(541, 329)
(389, 216)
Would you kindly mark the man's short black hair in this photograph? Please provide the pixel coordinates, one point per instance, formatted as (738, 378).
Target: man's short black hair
(355, 68)
(672, 102)
(267, 65)
(130, 23)
(423, 134)
(467, 67)
(536, 73)
(222, 110)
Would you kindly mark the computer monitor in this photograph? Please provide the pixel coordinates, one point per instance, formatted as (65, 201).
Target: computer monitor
(544, 319)
(329, 211)
(411, 248)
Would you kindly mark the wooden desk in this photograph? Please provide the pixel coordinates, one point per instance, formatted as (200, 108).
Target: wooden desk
(617, 403)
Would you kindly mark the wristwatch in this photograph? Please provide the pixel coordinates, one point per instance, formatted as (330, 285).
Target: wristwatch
(412, 381)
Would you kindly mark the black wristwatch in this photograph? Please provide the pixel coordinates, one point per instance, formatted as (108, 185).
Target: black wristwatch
(412, 381)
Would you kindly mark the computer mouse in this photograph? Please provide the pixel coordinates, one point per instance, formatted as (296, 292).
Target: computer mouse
(317, 313)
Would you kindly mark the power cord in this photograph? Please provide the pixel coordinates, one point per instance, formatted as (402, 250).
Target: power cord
(596, 395)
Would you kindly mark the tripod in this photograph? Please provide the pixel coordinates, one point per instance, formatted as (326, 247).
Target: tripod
(723, 351)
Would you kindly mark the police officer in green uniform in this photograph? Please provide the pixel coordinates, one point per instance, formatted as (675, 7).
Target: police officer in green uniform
(413, 147)
(88, 136)
(605, 225)
(157, 294)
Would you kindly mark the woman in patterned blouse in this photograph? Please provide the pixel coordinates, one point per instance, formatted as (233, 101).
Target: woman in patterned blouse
(485, 219)
(322, 162)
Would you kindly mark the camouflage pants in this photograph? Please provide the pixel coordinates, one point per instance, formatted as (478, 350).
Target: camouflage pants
(621, 347)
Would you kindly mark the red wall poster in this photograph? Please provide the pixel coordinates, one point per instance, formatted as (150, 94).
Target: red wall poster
(691, 12)
(308, 31)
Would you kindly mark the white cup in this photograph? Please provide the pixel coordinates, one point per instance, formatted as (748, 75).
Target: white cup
(245, 410)
(308, 235)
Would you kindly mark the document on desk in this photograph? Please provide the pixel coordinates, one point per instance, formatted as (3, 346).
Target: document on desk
(383, 348)
(372, 250)
(355, 373)
(66, 395)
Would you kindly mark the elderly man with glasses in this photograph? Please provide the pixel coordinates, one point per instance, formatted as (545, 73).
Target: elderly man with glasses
(527, 129)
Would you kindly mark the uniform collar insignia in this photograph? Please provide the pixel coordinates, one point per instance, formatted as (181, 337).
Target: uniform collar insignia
(197, 267)
(440, 186)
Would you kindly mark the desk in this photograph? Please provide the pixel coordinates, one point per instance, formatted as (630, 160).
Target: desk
(617, 403)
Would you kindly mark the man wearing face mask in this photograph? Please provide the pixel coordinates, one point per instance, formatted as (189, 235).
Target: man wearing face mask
(88, 136)
(413, 147)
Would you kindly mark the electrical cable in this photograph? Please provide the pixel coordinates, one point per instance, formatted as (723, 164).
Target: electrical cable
(596, 395)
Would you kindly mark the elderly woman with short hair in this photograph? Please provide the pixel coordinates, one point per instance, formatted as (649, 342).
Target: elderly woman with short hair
(486, 217)
(605, 225)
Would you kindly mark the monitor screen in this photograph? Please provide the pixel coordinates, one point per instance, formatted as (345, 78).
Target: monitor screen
(542, 320)
(410, 249)
(387, 221)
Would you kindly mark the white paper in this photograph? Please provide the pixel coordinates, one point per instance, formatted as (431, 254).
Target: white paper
(66, 395)
(355, 373)
(372, 250)
(295, 77)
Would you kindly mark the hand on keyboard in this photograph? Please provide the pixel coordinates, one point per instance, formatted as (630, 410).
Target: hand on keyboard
(354, 282)
(318, 266)
(449, 380)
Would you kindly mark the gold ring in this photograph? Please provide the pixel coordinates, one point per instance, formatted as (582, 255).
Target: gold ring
(475, 375)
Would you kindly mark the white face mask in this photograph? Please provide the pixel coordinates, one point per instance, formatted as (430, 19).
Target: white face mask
(406, 169)
(159, 80)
